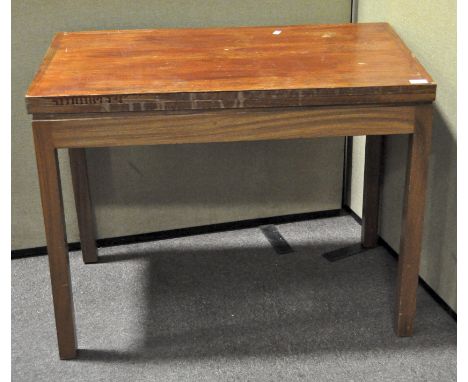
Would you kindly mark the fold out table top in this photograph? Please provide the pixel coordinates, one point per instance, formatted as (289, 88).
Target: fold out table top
(227, 68)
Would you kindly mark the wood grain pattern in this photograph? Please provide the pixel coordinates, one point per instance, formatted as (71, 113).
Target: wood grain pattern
(129, 129)
(371, 197)
(180, 69)
(54, 222)
(83, 203)
(413, 218)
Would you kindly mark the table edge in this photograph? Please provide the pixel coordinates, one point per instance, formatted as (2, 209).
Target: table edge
(233, 99)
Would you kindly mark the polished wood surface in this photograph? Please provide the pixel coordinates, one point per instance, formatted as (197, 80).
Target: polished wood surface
(83, 203)
(413, 220)
(128, 129)
(176, 69)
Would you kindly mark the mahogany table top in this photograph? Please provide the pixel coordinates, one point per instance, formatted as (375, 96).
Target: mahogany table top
(216, 68)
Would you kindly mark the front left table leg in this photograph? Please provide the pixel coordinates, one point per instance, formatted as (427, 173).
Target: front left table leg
(54, 222)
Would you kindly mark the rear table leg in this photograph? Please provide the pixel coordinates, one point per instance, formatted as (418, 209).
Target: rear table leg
(83, 203)
(370, 207)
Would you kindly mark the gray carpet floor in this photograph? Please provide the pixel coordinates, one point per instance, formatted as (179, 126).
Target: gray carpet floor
(226, 307)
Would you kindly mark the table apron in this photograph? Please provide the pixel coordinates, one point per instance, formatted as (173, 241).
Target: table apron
(131, 129)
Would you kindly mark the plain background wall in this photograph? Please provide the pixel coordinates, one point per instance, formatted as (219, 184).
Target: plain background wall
(138, 190)
(428, 27)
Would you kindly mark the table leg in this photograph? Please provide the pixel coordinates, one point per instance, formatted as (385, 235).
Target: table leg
(83, 203)
(371, 200)
(54, 222)
(412, 224)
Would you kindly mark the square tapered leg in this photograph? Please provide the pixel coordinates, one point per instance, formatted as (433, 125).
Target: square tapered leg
(83, 203)
(371, 200)
(57, 248)
(413, 218)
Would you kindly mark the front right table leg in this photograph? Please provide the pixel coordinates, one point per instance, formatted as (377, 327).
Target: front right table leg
(412, 223)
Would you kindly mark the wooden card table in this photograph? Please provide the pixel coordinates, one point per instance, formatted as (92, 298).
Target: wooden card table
(174, 86)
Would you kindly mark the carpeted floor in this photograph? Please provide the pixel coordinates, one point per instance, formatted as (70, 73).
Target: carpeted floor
(227, 307)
